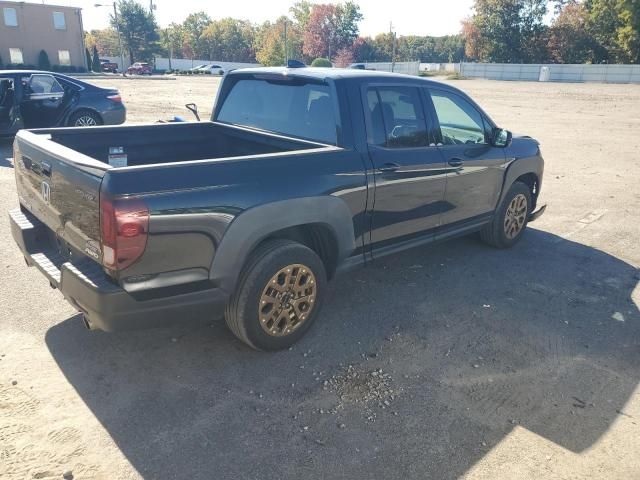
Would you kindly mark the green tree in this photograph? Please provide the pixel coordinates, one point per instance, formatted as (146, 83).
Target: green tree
(229, 40)
(138, 29)
(301, 11)
(510, 31)
(570, 39)
(628, 31)
(171, 40)
(43, 61)
(193, 27)
(87, 55)
(95, 62)
(269, 42)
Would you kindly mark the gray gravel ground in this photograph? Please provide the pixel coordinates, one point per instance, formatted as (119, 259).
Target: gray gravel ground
(455, 360)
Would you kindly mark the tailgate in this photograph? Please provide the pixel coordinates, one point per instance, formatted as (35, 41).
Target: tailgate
(61, 188)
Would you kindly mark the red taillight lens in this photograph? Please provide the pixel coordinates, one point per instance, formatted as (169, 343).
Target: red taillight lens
(124, 227)
(115, 98)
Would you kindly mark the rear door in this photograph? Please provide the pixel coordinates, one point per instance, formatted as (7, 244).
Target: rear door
(474, 167)
(43, 101)
(409, 170)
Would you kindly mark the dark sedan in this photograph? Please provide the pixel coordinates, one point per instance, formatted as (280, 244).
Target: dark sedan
(36, 99)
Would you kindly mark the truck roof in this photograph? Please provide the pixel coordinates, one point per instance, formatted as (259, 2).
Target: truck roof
(332, 73)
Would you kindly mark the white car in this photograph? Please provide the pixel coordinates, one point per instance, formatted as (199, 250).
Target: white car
(198, 67)
(213, 69)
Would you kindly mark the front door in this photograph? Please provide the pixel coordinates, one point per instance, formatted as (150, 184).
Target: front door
(475, 168)
(43, 101)
(409, 172)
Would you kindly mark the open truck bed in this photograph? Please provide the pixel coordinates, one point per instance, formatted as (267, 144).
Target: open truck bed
(72, 183)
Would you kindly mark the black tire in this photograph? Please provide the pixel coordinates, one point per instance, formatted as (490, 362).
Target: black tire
(242, 313)
(84, 118)
(495, 233)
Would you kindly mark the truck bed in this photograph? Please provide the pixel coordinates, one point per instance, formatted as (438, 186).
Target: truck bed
(172, 142)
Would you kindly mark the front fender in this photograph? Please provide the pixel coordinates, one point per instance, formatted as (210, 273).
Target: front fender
(523, 158)
(254, 225)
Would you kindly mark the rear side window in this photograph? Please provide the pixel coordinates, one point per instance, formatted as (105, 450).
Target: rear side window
(302, 110)
(44, 84)
(460, 122)
(396, 117)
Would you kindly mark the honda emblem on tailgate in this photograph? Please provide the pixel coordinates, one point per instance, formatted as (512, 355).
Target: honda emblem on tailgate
(46, 192)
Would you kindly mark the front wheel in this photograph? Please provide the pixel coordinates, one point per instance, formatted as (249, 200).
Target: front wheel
(278, 296)
(510, 219)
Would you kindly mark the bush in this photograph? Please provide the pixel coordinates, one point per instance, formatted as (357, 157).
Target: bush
(88, 58)
(20, 66)
(95, 62)
(322, 62)
(43, 61)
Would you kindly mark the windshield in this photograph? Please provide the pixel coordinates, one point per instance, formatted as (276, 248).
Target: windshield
(297, 109)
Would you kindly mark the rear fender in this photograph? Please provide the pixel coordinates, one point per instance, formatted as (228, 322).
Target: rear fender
(254, 225)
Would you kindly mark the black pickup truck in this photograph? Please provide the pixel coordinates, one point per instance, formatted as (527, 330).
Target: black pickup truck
(300, 174)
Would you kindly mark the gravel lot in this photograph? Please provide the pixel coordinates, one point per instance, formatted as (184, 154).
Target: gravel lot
(451, 361)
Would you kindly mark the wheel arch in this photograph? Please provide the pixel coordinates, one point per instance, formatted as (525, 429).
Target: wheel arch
(526, 170)
(324, 224)
(80, 110)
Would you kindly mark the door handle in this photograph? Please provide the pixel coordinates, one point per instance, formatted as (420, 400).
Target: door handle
(389, 167)
(455, 162)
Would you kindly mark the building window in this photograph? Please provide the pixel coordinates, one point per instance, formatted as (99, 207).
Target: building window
(10, 17)
(64, 58)
(58, 21)
(15, 56)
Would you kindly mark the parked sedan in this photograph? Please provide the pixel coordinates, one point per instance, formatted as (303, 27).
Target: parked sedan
(140, 68)
(212, 69)
(36, 99)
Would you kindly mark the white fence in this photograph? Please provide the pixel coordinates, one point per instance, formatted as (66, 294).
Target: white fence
(440, 67)
(408, 68)
(187, 63)
(553, 72)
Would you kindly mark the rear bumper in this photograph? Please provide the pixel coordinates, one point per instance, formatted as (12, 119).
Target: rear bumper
(114, 116)
(104, 304)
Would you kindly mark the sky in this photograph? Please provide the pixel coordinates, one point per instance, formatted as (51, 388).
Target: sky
(409, 17)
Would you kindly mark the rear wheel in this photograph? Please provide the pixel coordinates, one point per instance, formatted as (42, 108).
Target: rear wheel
(510, 219)
(84, 119)
(278, 296)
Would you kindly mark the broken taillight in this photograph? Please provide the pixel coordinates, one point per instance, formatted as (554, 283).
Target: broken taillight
(124, 227)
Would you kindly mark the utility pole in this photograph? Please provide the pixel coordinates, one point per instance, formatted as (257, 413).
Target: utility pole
(286, 50)
(115, 15)
(393, 46)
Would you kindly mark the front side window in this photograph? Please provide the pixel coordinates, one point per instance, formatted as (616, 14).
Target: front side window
(10, 17)
(58, 21)
(295, 108)
(44, 84)
(64, 57)
(460, 122)
(396, 117)
(15, 55)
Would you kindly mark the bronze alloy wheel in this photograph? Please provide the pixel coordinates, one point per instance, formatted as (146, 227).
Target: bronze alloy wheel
(515, 217)
(287, 300)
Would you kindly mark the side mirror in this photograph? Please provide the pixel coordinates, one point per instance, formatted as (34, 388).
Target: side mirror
(501, 137)
(193, 108)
